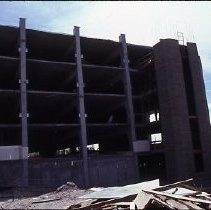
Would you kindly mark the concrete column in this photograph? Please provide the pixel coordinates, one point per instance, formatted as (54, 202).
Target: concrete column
(128, 92)
(23, 98)
(201, 105)
(82, 117)
(176, 133)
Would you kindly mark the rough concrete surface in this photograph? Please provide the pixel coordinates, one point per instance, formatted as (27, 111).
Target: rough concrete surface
(60, 198)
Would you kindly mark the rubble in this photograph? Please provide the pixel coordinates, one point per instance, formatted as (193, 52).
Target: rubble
(60, 198)
(180, 195)
(144, 195)
(67, 186)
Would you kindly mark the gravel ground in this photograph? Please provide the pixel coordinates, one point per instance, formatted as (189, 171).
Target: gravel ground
(66, 196)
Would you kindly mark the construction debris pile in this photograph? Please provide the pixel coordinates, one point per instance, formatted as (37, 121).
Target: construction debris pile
(147, 195)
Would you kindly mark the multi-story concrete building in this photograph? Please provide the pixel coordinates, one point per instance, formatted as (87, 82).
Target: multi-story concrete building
(99, 112)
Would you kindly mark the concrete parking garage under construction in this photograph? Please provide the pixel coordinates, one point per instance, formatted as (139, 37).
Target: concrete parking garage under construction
(99, 112)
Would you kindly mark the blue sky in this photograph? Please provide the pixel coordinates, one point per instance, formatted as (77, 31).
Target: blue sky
(143, 22)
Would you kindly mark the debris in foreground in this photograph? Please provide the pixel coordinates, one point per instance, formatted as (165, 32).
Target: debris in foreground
(146, 195)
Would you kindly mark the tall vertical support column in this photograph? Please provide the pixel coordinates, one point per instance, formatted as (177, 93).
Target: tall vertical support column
(23, 100)
(202, 111)
(173, 108)
(82, 117)
(128, 91)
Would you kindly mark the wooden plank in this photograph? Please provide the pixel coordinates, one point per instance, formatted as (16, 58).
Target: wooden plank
(191, 205)
(159, 202)
(82, 204)
(142, 199)
(96, 205)
(178, 196)
(176, 184)
(130, 205)
(204, 196)
(181, 191)
(173, 203)
(109, 201)
(179, 204)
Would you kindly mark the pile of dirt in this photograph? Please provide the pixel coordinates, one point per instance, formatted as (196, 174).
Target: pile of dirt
(61, 198)
(67, 186)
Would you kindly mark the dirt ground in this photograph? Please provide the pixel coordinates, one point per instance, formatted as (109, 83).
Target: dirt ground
(45, 198)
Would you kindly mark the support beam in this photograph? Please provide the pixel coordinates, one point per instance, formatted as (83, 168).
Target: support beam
(82, 117)
(128, 92)
(23, 96)
(23, 82)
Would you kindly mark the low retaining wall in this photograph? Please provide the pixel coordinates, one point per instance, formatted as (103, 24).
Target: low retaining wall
(104, 170)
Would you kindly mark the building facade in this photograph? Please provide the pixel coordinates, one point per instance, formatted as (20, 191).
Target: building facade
(99, 112)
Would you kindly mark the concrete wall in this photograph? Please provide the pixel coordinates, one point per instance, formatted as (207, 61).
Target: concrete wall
(113, 170)
(201, 108)
(107, 170)
(173, 107)
(141, 146)
(15, 152)
(55, 171)
(11, 173)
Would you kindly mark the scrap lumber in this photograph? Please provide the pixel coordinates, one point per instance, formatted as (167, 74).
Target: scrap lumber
(191, 205)
(122, 205)
(173, 196)
(175, 204)
(74, 206)
(142, 199)
(82, 204)
(178, 197)
(204, 195)
(176, 184)
(158, 202)
(97, 205)
(182, 191)
(94, 205)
